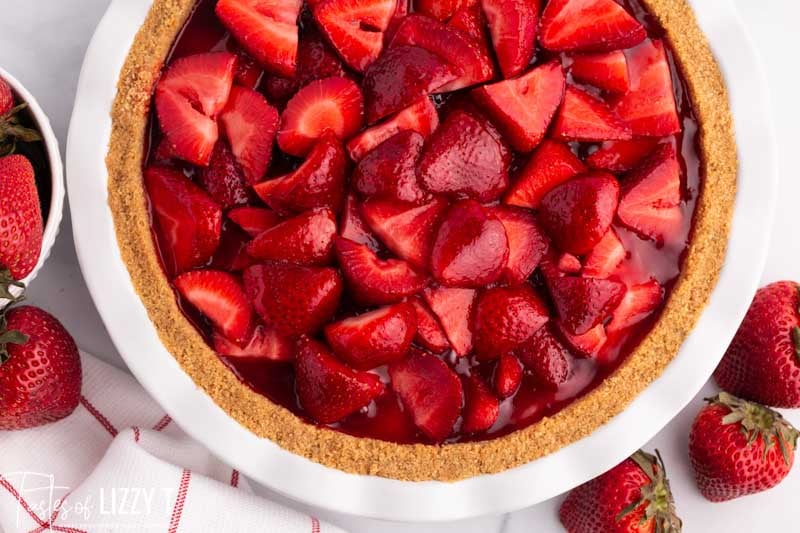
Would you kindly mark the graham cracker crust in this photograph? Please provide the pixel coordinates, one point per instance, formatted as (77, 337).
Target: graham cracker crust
(417, 462)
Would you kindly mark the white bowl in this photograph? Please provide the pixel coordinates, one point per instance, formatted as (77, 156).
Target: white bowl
(306, 481)
(53, 216)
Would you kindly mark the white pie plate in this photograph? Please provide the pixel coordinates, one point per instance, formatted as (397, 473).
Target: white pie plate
(308, 482)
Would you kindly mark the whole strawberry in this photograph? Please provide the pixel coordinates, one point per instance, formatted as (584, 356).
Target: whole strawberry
(634, 496)
(763, 361)
(21, 225)
(738, 448)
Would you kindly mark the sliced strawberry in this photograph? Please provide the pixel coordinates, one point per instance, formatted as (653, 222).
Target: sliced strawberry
(188, 221)
(293, 300)
(652, 194)
(649, 107)
(353, 227)
(267, 29)
(254, 220)
(607, 71)
(318, 182)
(401, 76)
(605, 257)
(406, 229)
(329, 390)
(505, 318)
(375, 338)
(589, 344)
(189, 96)
(306, 239)
(551, 164)
(470, 248)
(315, 58)
(578, 213)
(507, 375)
(440, 10)
(481, 408)
(420, 117)
(248, 73)
(527, 244)
(264, 343)
(219, 296)
(547, 358)
(400, 13)
(512, 25)
(231, 254)
(569, 264)
(466, 156)
(470, 20)
(430, 391)
(330, 104)
(583, 303)
(588, 25)
(429, 333)
(355, 27)
(523, 107)
(374, 281)
(639, 302)
(453, 46)
(586, 118)
(223, 178)
(390, 170)
(453, 307)
(250, 124)
(621, 156)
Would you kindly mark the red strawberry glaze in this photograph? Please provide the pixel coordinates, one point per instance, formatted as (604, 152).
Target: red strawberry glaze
(385, 417)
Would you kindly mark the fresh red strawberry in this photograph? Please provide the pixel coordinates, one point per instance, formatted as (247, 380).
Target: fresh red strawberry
(20, 217)
(406, 229)
(390, 170)
(190, 95)
(400, 12)
(6, 97)
(466, 156)
(188, 222)
(649, 107)
(430, 334)
(512, 25)
(453, 46)
(481, 407)
(440, 10)
(739, 448)
(589, 344)
(430, 391)
(547, 358)
(223, 178)
(527, 244)
(639, 302)
(231, 254)
(163, 154)
(250, 123)
(253, 220)
(471, 247)
(401, 76)
(374, 281)
(329, 390)
(469, 19)
(248, 72)
(330, 104)
(355, 27)
(318, 182)
(585, 118)
(582, 303)
(375, 338)
(632, 497)
(40, 369)
(315, 60)
(569, 264)
(578, 213)
(293, 299)
(220, 298)
(306, 239)
(605, 257)
(523, 107)
(507, 375)
(621, 156)
(264, 343)
(762, 362)
(607, 71)
(505, 319)
(353, 227)
(588, 26)
(453, 307)
(421, 117)
(267, 29)
(550, 165)
(651, 195)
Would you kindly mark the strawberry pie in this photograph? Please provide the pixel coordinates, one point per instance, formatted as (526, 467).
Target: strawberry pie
(422, 239)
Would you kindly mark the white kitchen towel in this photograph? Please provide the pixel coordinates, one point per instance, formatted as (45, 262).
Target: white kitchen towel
(119, 463)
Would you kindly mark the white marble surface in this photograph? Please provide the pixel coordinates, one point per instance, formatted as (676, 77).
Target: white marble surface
(42, 43)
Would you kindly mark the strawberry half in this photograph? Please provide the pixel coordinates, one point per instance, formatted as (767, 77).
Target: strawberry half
(250, 123)
(390, 170)
(583, 303)
(430, 334)
(253, 220)
(523, 107)
(221, 299)
(512, 25)
(20, 217)
(469, 19)
(264, 343)
(306, 239)
(637, 304)
(621, 156)
(353, 227)
(527, 244)
(589, 344)
(547, 358)
(586, 118)
(440, 10)
(329, 390)
(588, 26)
(505, 318)
(551, 164)
(453, 307)
(481, 407)
(608, 71)
(507, 376)
(569, 264)
(223, 178)
(605, 257)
